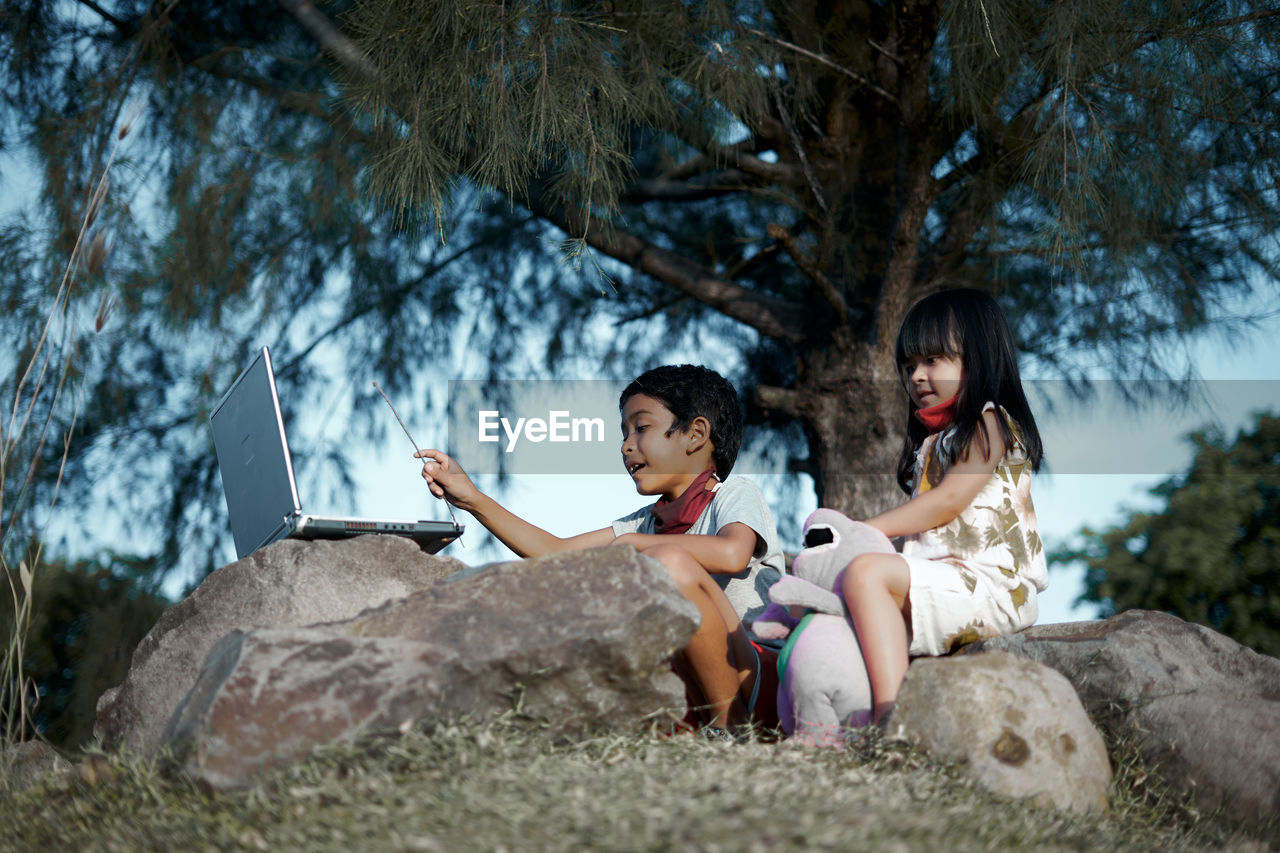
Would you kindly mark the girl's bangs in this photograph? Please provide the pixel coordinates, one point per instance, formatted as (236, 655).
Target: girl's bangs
(925, 333)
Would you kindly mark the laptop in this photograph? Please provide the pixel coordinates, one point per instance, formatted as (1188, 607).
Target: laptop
(257, 475)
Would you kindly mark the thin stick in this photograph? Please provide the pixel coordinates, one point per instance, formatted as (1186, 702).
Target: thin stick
(411, 441)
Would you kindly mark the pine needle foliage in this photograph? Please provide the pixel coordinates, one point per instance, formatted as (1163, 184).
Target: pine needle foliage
(508, 93)
(1107, 127)
(1107, 168)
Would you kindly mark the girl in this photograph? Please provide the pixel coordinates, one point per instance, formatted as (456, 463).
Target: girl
(972, 561)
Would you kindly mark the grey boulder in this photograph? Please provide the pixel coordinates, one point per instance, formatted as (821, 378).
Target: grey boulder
(1015, 726)
(1204, 709)
(287, 583)
(569, 643)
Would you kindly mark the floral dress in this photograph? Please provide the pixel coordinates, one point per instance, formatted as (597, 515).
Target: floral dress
(978, 575)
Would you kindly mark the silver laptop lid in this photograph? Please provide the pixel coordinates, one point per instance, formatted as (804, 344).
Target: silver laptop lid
(253, 456)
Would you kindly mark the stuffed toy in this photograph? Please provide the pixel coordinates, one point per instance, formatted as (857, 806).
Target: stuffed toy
(822, 682)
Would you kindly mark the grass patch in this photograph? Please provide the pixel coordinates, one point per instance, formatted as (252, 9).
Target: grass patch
(493, 787)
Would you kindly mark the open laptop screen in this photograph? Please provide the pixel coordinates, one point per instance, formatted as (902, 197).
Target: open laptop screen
(253, 457)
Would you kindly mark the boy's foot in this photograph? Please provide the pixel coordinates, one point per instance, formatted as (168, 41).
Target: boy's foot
(734, 734)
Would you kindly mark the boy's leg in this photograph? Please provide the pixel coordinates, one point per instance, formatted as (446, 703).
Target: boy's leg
(720, 653)
(876, 588)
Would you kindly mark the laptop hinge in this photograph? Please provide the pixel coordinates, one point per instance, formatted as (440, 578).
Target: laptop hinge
(285, 524)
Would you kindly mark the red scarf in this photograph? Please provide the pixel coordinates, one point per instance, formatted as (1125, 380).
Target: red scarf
(938, 417)
(677, 516)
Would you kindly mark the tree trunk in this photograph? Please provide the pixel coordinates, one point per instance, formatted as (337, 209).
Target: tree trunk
(854, 408)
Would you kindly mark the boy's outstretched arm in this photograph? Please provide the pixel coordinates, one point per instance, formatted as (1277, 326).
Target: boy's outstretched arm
(446, 479)
(728, 551)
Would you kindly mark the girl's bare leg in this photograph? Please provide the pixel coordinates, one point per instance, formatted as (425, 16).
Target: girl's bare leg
(719, 653)
(875, 588)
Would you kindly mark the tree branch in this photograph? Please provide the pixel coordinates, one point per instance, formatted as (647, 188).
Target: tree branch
(884, 51)
(747, 266)
(662, 189)
(399, 293)
(770, 316)
(782, 400)
(994, 169)
(778, 173)
(796, 145)
(330, 38)
(106, 16)
(807, 265)
(701, 163)
(1210, 26)
(827, 61)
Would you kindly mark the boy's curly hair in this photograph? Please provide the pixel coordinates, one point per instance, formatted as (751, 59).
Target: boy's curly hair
(689, 391)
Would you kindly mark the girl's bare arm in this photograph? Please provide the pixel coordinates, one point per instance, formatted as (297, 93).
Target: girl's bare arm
(948, 499)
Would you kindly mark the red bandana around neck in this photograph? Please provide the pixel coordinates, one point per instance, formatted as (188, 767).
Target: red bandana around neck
(938, 417)
(677, 516)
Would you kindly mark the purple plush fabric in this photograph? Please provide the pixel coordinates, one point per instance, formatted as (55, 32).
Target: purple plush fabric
(824, 689)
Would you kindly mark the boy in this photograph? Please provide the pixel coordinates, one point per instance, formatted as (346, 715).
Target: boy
(681, 429)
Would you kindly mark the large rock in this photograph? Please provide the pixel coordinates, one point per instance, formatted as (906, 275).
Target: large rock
(272, 694)
(571, 642)
(289, 582)
(1205, 710)
(27, 763)
(1016, 726)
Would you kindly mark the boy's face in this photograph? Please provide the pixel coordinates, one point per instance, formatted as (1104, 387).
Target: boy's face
(660, 463)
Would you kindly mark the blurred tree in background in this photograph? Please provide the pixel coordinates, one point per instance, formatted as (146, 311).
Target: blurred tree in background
(1212, 554)
(86, 619)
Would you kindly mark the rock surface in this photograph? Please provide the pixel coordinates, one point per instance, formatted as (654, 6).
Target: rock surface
(1205, 709)
(1016, 726)
(27, 762)
(272, 694)
(571, 642)
(289, 582)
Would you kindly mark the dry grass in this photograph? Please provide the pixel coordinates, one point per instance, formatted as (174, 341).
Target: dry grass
(46, 367)
(494, 788)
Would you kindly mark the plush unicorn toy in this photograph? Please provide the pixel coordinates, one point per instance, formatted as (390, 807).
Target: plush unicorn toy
(822, 687)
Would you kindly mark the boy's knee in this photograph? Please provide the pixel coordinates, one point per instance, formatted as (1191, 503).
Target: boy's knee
(667, 553)
(683, 569)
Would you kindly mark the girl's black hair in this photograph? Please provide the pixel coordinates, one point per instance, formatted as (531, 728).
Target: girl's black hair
(969, 326)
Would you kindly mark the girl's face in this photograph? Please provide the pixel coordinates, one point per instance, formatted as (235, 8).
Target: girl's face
(932, 379)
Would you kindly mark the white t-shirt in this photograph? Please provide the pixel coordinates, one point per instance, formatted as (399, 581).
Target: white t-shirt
(737, 500)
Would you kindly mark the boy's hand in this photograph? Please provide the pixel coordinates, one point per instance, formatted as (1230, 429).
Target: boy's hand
(446, 479)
